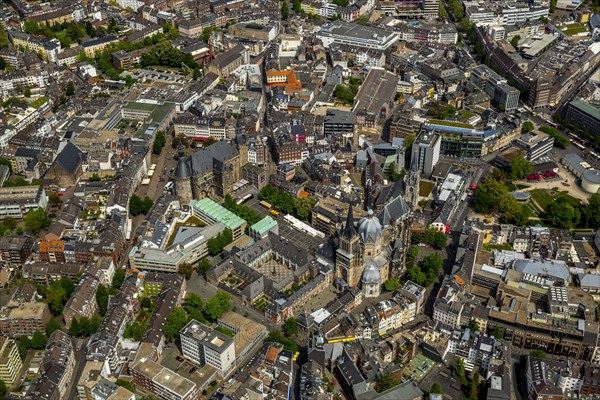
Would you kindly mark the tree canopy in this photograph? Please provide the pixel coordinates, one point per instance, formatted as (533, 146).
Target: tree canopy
(216, 244)
(217, 305)
(288, 344)
(527, 127)
(175, 323)
(52, 326)
(138, 206)
(85, 326)
(520, 168)
(562, 214)
(37, 220)
(290, 327)
(426, 271)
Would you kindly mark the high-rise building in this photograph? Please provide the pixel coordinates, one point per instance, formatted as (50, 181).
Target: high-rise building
(426, 151)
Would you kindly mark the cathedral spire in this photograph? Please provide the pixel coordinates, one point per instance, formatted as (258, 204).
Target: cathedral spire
(349, 229)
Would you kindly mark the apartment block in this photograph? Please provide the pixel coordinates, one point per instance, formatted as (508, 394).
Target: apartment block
(10, 362)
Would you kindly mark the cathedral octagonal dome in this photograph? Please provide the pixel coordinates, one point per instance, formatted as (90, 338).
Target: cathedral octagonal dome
(369, 228)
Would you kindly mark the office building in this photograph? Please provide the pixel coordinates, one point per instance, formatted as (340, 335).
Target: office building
(339, 122)
(210, 212)
(536, 143)
(15, 202)
(15, 249)
(584, 115)
(426, 151)
(203, 345)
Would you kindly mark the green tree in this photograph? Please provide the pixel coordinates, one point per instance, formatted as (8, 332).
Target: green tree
(520, 168)
(159, 142)
(391, 284)
(204, 265)
(562, 214)
(216, 244)
(56, 297)
(118, 278)
(473, 325)
(27, 92)
(385, 382)
(52, 326)
(186, 270)
(515, 42)
(497, 333)
(288, 344)
(217, 305)
(436, 388)
(285, 11)
(527, 127)
(38, 341)
(37, 220)
(94, 178)
(146, 303)
(175, 323)
(536, 353)
(70, 89)
(304, 207)
(196, 74)
(192, 302)
(297, 6)
(592, 211)
(290, 327)
(3, 389)
(102, 299)
(442, 13)
(487, 194)
(459, 371)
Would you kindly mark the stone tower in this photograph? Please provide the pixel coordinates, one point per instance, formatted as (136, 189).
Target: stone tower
(183, 178)
(349, 263)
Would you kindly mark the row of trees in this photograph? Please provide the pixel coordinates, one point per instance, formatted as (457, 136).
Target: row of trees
(216, 244)
(85, 327)
(159, 142)
(138, 206)
(432, 237)
(492, 196)
(285, 202)
(244, 212)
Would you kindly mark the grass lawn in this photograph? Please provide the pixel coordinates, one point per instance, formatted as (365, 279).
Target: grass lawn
(465, 115)
(573, 29)
(544, 198)
(38, 103)
(425, 188)
(490, 247)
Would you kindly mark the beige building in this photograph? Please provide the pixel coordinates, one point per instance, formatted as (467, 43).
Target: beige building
(24, 319)
(10, 362)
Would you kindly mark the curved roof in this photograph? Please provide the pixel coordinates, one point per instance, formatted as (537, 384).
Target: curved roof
(369, 228)
(183, 169)
(371, 275)
(592, 176)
